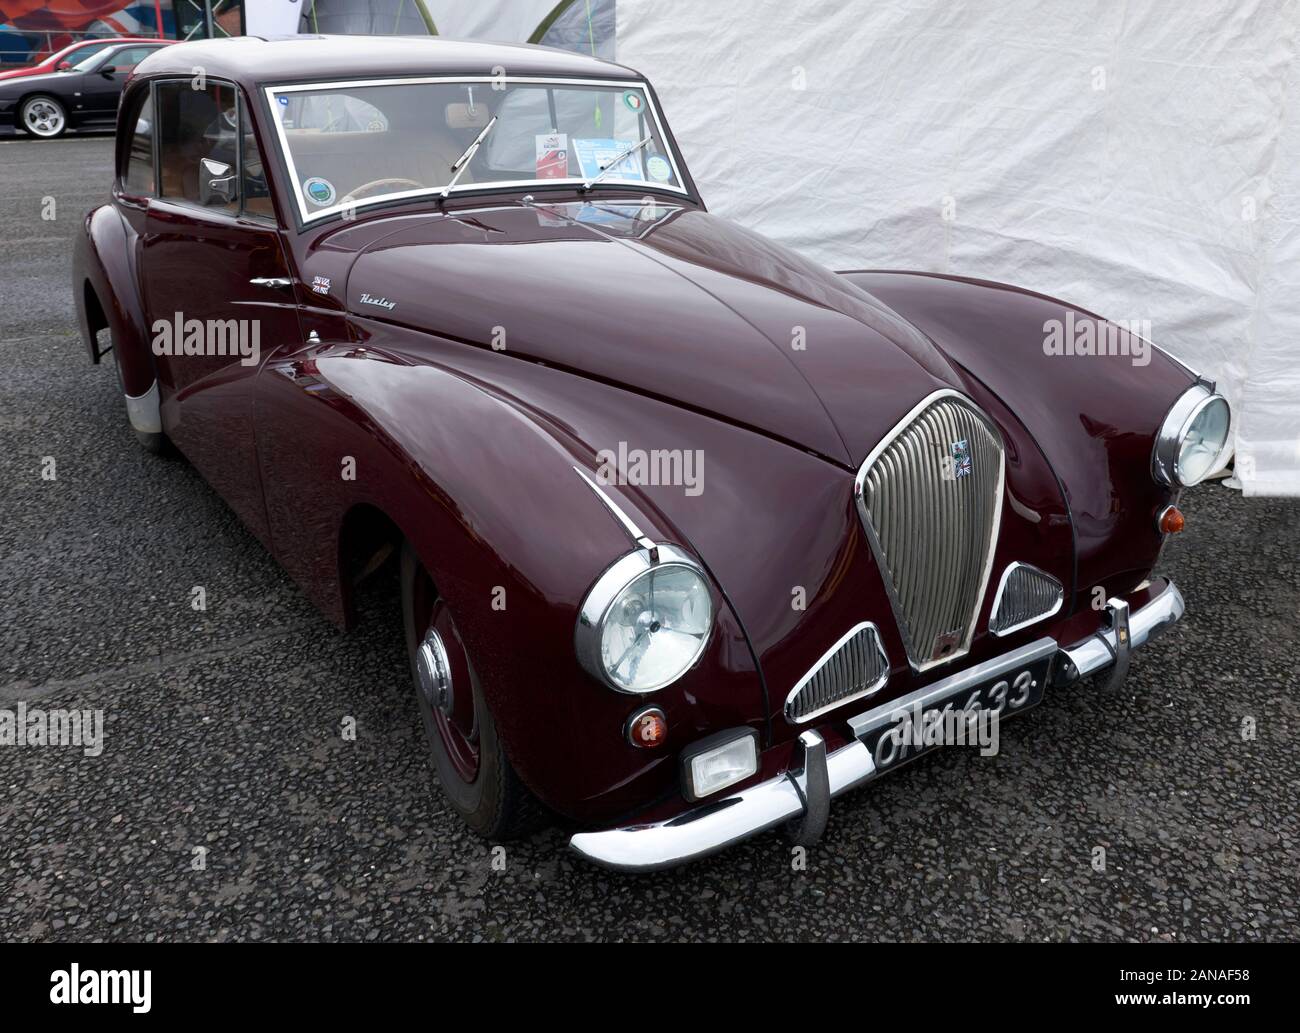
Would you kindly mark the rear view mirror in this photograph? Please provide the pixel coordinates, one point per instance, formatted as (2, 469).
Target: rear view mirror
(64, 66)
(107, 72)
(216, 183)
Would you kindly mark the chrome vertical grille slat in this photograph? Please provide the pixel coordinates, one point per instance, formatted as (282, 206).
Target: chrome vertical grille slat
(933, 534)
(856, 666)
(1025, 596)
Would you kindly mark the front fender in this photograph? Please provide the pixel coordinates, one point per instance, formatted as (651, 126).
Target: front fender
(1095, 417)
(485, 490)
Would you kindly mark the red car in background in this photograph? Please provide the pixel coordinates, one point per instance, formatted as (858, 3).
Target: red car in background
(75, 52)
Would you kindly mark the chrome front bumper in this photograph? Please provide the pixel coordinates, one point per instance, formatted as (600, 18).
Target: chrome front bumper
(801, 795)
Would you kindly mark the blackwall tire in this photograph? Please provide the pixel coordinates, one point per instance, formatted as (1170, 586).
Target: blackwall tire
(472, 768)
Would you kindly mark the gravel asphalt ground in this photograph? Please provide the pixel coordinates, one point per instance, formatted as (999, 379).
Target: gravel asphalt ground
(223, 727)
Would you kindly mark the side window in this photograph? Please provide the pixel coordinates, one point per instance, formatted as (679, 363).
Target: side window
(127, 58)
(84, 52)
(138, 179)
(199, 144)
(257, 195)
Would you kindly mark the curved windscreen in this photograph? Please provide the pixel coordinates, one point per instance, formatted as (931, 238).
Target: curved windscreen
(352, 144)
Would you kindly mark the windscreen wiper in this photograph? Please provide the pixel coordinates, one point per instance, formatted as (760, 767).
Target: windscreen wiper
(462, 163)
(615, 163)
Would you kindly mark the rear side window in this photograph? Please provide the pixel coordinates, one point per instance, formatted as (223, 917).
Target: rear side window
(139, 178)
(199, 144)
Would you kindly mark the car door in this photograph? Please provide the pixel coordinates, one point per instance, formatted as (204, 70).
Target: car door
(218, 289)
(101, 84)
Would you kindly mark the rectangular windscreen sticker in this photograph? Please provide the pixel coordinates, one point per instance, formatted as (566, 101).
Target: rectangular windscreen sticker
(595, 154)
(553, 156)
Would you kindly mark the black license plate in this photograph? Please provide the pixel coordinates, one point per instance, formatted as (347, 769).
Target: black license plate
(890, 731)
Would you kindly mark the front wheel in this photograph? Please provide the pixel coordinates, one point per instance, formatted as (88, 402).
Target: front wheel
(43, 116)
(459, 732)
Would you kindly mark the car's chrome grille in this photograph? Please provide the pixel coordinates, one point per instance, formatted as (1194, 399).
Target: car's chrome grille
(930, 497)
(1025, 595)
(854, 667)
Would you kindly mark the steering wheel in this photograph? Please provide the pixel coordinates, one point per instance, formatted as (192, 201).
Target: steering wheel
(391, 181)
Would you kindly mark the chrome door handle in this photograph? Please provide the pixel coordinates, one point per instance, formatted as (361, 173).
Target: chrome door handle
(271, 281)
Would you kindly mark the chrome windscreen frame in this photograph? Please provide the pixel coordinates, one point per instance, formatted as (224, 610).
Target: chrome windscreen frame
(308, 217)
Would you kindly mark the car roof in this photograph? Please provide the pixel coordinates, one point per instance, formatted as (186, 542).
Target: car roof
(252, 60)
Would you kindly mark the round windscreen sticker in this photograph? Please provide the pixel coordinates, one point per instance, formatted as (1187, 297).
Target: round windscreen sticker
(319, 191)
(633, 100)
(658, 168)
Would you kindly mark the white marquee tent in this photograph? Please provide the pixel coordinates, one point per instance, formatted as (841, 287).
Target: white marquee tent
(1142, 160)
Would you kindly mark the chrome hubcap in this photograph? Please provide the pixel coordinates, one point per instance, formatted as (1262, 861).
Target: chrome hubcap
(434, 672)
(43, 118)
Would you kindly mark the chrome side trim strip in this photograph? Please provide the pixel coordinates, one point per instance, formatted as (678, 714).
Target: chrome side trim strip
(145, 411)
(633, 532)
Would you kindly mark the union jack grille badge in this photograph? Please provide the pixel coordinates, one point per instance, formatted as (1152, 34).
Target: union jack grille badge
(961, 464)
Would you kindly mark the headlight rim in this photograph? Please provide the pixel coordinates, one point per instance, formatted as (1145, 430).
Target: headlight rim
(1174, 429)
(605, 591)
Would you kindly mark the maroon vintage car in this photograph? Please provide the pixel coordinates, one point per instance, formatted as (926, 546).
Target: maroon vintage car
(693, 533)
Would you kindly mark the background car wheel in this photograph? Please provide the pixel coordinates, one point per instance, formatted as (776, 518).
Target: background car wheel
(472, 768)
(43, 116)
(155, 443)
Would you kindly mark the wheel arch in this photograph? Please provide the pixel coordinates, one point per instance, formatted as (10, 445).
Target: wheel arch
(368, 539)
(106, 298)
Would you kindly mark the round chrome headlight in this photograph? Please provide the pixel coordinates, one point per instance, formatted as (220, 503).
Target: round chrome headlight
(1192, 438)
(644, 624)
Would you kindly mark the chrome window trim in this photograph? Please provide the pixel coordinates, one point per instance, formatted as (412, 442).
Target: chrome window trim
(1002, 584)
(337, 209)
(877, 552)
(1174, 427)
(812, 671)
(602, 595)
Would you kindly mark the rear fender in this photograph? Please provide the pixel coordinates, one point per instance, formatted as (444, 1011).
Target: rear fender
(105, 290)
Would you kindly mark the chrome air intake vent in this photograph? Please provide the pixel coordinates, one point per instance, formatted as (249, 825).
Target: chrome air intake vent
(930, 498)
(1025, 596)
(855, 666)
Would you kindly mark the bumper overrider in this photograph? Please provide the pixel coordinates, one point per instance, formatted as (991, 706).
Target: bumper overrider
(800, 796)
